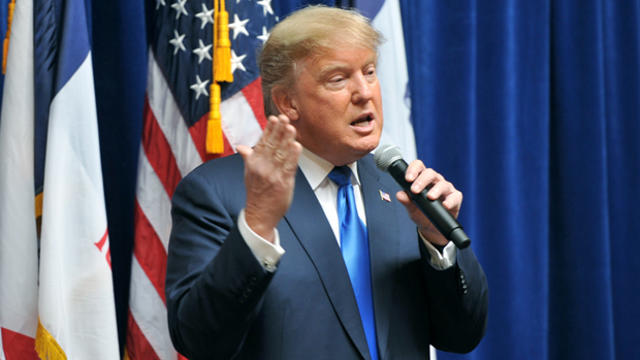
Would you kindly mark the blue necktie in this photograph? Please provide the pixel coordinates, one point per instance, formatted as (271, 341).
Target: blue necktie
(355, 251)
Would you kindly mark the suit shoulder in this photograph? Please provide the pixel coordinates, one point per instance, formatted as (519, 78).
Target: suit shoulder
(226, 167)
(217, 172)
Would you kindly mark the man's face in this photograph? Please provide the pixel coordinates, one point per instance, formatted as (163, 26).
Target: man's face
(337, 99)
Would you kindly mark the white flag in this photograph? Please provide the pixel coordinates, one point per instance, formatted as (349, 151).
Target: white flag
(394, 81)
(18, 239)
(76, 303)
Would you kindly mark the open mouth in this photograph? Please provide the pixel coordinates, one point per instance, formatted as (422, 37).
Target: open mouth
(363, 120)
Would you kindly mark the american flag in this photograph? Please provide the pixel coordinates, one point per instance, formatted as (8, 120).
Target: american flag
(174, 133)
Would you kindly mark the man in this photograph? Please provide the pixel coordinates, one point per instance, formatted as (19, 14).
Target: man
(233, 292)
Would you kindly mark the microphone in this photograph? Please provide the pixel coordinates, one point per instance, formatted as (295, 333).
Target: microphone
(388, 158)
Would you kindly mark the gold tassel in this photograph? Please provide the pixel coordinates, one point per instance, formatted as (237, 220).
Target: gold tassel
(46, 345)
(215, 142)
(221, 72)
(222, 56)
(5, 47)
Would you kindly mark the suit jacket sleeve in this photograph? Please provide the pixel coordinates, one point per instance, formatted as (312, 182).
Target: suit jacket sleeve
(214, 283)
(457, 298)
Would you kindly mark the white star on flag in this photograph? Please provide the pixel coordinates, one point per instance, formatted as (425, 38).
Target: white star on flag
(264, 36)
(238, 26)
(206, 16)
(202, 51)
(177, 42)
(178, 6)
(200, 87)
(158, 3)
(236, 62)
(266, 7)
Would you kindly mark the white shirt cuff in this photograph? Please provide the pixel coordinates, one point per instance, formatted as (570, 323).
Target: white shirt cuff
(440, 261)
(267, 254)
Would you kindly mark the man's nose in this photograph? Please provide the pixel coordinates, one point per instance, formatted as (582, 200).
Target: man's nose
(362, 89)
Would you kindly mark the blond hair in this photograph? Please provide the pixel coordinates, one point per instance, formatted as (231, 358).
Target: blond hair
(309, 32)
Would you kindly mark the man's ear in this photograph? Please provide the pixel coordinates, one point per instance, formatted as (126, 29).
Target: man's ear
(284, 102)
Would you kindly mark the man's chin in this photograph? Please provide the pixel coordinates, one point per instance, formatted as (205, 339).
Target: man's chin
(371, 144)
(366, 148)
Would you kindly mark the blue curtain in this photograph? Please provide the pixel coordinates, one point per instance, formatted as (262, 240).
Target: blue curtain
(531, 108)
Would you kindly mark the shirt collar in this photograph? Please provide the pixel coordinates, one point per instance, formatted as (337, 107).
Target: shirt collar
(316, 169)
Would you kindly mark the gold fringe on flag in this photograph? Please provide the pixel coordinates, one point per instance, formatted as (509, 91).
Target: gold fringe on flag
(221, 69)
(46, 345)
(5, 47)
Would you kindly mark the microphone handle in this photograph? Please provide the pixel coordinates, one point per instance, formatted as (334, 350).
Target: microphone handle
(433, 209)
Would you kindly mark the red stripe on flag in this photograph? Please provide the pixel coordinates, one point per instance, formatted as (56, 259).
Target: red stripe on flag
(138, 348)
(199, 136)
(150, 252)
(17, 346)
(253, 95)
(158, 151)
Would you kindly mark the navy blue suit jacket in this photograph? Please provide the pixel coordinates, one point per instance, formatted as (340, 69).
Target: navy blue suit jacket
(222, 304)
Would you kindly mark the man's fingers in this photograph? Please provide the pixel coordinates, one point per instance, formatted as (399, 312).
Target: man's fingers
(268, 129)
(276, 139)
(453, 201)
(413, 170)
(403, 197)
(291, 164)
(244, 151)
(439, 189)
(424, 179)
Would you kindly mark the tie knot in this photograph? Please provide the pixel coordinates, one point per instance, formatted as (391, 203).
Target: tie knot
(341, 175)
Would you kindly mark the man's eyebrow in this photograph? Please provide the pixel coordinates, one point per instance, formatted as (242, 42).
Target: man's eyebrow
(342, 66)
(333, 67)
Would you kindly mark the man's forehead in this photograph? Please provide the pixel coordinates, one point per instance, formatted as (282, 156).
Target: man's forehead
(335, 57)
(325, 59)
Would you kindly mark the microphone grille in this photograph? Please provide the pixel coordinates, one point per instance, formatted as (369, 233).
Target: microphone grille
(386, 155)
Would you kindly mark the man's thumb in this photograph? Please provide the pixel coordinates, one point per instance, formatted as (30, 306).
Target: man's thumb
(244, 151)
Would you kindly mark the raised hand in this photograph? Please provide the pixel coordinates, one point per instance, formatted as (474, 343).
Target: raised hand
(269, 175)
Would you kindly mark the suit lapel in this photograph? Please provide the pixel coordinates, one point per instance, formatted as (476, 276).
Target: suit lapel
(383, 245)
(308, 223)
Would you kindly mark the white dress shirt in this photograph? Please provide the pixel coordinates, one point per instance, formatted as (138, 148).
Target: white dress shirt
(316, 171)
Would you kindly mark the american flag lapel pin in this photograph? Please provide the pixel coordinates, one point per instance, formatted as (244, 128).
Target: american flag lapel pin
(384, 196)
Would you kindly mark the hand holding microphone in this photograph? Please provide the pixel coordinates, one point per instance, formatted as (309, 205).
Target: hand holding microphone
(388, 158)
